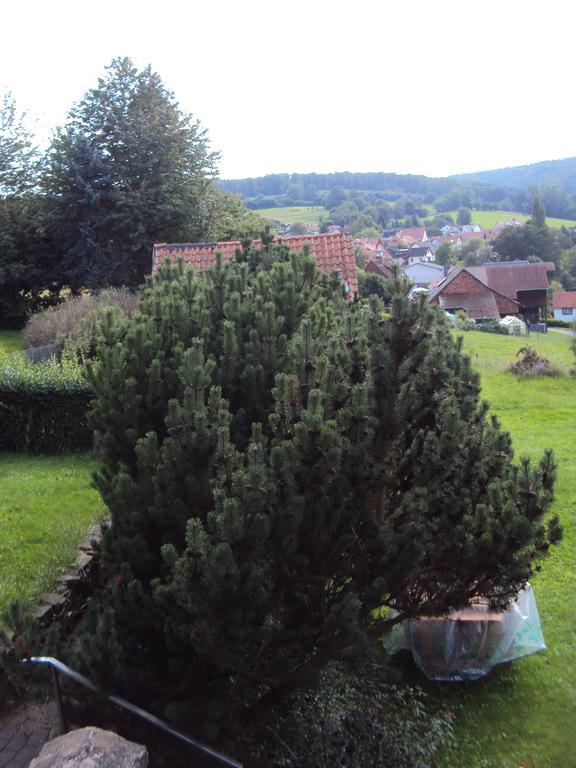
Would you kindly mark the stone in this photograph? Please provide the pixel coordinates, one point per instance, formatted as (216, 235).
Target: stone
(91, 748)
(83, 560)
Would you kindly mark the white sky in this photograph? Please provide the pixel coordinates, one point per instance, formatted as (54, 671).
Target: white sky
(412, 86)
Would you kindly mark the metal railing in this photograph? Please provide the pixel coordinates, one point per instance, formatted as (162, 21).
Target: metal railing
(57, 666)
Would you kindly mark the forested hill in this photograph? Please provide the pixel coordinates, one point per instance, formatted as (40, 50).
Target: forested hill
(507, 189)
(307, 184)
(560, 173)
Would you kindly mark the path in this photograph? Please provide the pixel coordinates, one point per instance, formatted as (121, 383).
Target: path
(23, 731)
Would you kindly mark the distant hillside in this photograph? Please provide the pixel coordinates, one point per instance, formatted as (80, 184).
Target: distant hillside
(504, 189)
(559, 173)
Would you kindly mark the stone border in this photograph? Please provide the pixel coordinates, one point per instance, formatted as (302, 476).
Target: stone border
(72, 585)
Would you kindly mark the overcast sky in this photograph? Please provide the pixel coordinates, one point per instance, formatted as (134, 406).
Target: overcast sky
(414, 86)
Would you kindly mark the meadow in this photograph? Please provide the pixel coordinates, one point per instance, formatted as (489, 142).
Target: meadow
(303, 214)
(523, 713)
(488, 219)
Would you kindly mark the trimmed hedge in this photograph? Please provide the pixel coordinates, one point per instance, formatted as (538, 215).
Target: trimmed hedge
(43, 406)
(491, 327)
(560, 324)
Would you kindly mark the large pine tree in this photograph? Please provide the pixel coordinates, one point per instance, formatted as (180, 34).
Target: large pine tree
(280, 463)
(158, 168)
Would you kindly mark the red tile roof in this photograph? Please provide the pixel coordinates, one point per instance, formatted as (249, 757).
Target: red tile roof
(564, 300)
(333, 252)
(414, 234)
(383, 268)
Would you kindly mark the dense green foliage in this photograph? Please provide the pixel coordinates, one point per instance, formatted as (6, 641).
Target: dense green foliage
(279, 463)
(127, 170)
(43, 406)
(354, 720)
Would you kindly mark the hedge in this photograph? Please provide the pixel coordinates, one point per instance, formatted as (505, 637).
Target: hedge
(43, 406)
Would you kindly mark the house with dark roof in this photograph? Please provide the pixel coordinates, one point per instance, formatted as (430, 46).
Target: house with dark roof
(333, 253)
(564, 306)
(496, 289)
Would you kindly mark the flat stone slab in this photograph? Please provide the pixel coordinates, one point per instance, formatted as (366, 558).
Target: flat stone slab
(91, 748)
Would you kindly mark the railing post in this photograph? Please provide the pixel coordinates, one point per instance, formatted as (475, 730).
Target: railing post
(59, 702)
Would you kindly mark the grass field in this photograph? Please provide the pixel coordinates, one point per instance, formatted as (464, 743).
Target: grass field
(524, 713)
(10, 341)
(46, 506)
(299, 213)
(488, 219)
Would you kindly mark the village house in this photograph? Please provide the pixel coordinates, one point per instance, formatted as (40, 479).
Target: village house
(496, 289)
(371, 247)
(381, 267)
(422, 274)
(333, 253)
(414, 254)
(564, 306)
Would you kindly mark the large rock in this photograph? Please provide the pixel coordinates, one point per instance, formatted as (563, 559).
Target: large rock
(91, 748)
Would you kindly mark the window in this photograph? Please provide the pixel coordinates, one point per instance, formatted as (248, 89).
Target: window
(566, 310)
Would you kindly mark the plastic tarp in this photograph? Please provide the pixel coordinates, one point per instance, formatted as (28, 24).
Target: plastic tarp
(468, 645)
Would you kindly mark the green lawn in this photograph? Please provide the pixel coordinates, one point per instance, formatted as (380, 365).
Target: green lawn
(305, 214)
(524, 713)
(46, 507)
(10, 341)
(488, 219)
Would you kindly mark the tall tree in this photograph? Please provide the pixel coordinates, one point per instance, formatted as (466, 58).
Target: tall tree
(85, 220)
(155, 157)
(538, 214)
(18, 156)
(27, 275)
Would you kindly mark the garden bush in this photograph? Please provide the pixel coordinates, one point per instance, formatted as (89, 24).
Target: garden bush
(491, 327)
(43, 406)
(279, 463)
(354, 719)
(76, 319)
(531, 363)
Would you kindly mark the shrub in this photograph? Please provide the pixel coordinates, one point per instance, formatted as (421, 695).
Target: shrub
(43, 406)
(279, 462)
(491, 327)
(77, 317)
(561, 324)
(354, 720)
(532, 364)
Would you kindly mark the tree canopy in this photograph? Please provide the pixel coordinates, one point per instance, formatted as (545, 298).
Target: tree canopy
(129, 168)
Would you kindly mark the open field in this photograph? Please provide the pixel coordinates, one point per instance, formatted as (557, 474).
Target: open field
(300, 213)
(524, 713)
(488, 219)
(47, 505)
